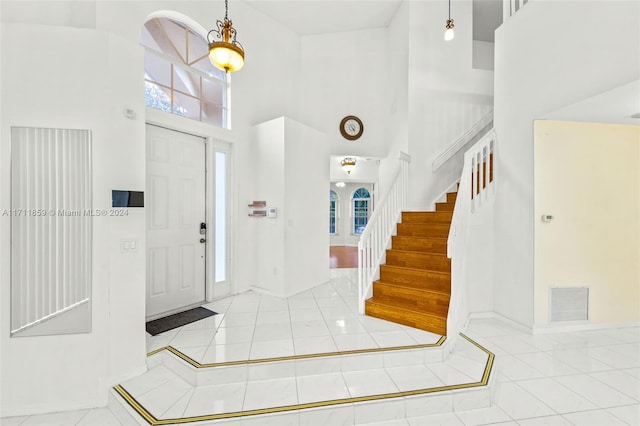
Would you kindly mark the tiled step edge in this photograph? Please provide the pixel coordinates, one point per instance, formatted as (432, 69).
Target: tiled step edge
(364, 409)
(197, 374)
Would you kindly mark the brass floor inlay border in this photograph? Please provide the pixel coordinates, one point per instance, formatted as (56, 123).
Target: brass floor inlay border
(144, 413)
(197, 364)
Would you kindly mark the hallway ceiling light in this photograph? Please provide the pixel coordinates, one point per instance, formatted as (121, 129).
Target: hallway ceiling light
(226, 54)
(348, 164)
(340, 184)
(448, 33)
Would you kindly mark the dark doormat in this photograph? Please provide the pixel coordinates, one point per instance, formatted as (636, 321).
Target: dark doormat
(178, 320)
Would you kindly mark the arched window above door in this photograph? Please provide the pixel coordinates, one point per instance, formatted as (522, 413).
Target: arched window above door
(179, 78)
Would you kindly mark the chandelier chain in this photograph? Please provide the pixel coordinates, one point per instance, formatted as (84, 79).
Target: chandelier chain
(226, 10)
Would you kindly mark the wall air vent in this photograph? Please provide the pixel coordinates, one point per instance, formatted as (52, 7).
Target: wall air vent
(569, 304)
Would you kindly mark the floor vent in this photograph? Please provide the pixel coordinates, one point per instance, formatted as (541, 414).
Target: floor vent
(569, 304)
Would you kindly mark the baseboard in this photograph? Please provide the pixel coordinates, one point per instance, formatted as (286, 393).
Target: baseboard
(550, 329)
(515, 324)
(268, 292)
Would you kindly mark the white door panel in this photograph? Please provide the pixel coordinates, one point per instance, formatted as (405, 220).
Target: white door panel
(175, 209)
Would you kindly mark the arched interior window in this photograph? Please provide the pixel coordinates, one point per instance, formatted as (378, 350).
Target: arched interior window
(179, 78)
(333, 206)
(360, 207)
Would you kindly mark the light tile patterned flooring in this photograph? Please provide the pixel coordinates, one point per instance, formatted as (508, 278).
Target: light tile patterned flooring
(254, 326)
(579, 378)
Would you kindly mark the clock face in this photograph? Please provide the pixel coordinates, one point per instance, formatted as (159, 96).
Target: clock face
(351, 127)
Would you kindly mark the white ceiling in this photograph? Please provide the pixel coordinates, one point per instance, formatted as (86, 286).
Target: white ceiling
(306, 17)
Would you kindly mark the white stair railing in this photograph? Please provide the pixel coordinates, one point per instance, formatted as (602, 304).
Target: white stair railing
(377, 234)
(458, 144)
(477, 185)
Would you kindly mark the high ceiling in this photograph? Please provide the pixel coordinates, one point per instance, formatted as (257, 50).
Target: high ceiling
(306, 17)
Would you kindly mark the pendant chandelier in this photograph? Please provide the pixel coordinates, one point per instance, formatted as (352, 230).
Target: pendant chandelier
(348, 164)
(227, 53)
(448, 33)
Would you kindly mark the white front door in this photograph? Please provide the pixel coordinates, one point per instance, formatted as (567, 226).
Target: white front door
(175, 210)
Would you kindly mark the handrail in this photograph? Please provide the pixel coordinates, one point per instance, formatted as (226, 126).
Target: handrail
(377, 234)
(451, 150)
(477, 185)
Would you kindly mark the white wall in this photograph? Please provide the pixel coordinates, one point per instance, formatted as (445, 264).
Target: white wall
(290, 163)
(397, 86)
(479, 266)
(446, 95)
(74, 13)
(537, 72)
(344, 222)
(483, 55)
(587, 177)
(268, 157)
(84, 87)
(306, 211)
(345, 74)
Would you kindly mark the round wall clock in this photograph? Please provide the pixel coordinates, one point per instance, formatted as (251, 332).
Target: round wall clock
(351, 127)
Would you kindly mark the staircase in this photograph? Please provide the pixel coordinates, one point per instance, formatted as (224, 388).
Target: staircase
(414, 288)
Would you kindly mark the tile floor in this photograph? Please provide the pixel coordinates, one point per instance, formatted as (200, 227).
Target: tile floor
(580, 378)
(254, 326)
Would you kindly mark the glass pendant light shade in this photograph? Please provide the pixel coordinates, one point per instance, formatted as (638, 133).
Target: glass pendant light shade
(449, 34)
(226, 56)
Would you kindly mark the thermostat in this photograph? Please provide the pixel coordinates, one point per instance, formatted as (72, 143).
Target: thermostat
(547, 217)
(272, 212)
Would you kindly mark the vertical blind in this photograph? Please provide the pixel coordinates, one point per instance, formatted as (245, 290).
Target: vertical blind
(51, 218)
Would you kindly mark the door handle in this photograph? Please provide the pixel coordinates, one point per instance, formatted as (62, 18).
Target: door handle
(202, 240)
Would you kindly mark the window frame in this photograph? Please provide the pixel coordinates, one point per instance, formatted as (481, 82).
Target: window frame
(336, 202)
(224, 82)
(354, 217)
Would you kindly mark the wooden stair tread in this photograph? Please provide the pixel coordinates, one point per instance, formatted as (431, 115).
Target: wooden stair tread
(416, 269)
(404, 308)
(434, 323)
(426, 217)
(422, 237)
(435, 237)
(413, 287)
(420, 244)
(417, 252)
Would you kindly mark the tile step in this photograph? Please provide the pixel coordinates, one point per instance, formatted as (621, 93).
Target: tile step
(162, 397)
(196, 373)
